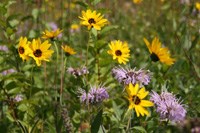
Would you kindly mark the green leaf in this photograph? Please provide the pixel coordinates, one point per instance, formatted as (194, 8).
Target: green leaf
(35, 13)
(140, 129)
(3, 10)
(2, 23)
(83, 4)
(107, 29)
(94, 2)
(94, 32)
(97, 122)
(195, 41)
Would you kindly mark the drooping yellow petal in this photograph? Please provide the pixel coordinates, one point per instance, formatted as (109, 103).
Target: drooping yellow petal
(159, 53)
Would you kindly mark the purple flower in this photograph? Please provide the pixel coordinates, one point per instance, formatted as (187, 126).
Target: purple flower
(78, 71)
(6, 72)
(18, 98)
(133, 76)
(94, 96)
(3, 48)
(168, 106)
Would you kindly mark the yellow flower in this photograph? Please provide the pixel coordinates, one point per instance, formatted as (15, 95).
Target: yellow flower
(197, 4)
(135, 97)
(158, 53)
(119, 51)
(68, 50)
(137, 1)
(23, 48)
(40, 51)
(74, 28)
(93, 20)
(51, 34)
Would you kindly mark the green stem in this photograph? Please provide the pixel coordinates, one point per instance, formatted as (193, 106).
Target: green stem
(30, 93)
(57, 56)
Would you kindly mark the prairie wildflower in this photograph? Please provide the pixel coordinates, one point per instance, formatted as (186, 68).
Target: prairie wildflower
(8, 71)
(68, 50)
(158, 53)
(3, 48)
(23, 48)
(95, 95)
(78, 71)
(120, 51)
(18, 98)
(51, 34)
(40, 51)
(92, 19)
(136, 97)
(127, 76)
(168, 106)
(197, 5)
(137, 1)
(74, 28)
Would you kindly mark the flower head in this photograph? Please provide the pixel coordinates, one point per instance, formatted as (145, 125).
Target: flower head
(158, 53)
(40, 51)
(197, 5)
(137, 1)
(23, 48)
(51, 34)
(3, 48)
(74, 28)
(8, 71)
(68, 50)
(168, 106)
(135, 97)
(127, 76)
(95, 95)
(18, 98)
(92, 19)
(120, 51)
(78, 71)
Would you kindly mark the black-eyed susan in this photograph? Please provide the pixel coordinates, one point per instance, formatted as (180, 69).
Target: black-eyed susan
(68, 50)
(51, 34)
(159, 53)
(93, 20)
(23, 48)
(137, 1)
(197, 5)
(40, 51)
(119, 50)
(135, 97)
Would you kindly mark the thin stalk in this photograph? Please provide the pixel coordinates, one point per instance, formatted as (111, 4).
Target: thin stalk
(98, 66)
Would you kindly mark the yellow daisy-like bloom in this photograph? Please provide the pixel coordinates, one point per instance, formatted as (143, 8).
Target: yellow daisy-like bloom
(23, 48)
(137, 1)
(93, 20)
(51, 34)
(119, 51)
(40, 51)
(158, 53)
(74, 26)
(135, 97)
(68, 50)
(197, 4)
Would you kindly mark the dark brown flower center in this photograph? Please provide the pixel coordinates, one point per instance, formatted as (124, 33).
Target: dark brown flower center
(154, 57)
(67, 54)
(136, 100)
(118, 52)
(91, 20)
(37, 53)
(21, 50)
